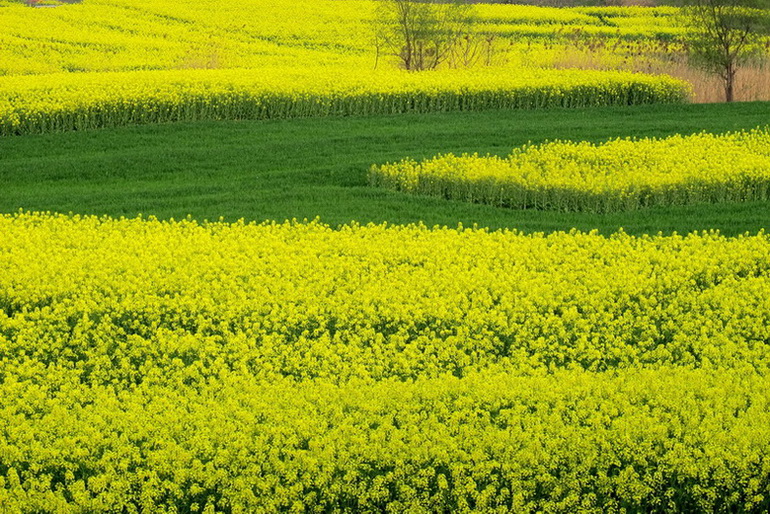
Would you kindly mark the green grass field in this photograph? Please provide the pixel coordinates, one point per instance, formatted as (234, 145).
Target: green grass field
(317, 167)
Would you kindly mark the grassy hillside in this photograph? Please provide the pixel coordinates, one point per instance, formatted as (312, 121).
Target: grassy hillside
(317, 167)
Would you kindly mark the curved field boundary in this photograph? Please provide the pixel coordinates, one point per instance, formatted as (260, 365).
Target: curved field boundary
(619, 175)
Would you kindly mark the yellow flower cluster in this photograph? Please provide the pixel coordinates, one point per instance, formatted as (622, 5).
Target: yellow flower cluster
(377, 301)
(614, 23)
(619, 175)
(150, 366)
(642, 440)
(43, 103)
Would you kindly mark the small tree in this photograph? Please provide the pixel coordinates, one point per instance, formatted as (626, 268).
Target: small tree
(724, 35)
(421, 33)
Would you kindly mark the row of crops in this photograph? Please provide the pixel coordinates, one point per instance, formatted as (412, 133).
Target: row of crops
(619, 175)
(30, 104)
(182, 367)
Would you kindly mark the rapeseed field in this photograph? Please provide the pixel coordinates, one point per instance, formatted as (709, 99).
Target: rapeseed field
(152, 366)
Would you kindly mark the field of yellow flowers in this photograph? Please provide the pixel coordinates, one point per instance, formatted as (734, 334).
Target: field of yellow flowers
(152, 366)
(126, 35)
(183, 366)
(623, 174)
(101, 64)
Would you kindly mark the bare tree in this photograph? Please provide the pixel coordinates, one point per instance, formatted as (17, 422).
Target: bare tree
(423, 33)
(725, 35)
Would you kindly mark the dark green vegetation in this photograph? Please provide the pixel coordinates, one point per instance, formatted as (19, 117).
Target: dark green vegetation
(317, 167)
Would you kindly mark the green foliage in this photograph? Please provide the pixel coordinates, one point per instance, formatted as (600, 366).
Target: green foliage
(422, 34)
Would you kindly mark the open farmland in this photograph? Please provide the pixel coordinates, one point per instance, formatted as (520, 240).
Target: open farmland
(206, 305)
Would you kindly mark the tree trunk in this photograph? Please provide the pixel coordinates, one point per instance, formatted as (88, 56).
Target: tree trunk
(730, 83)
